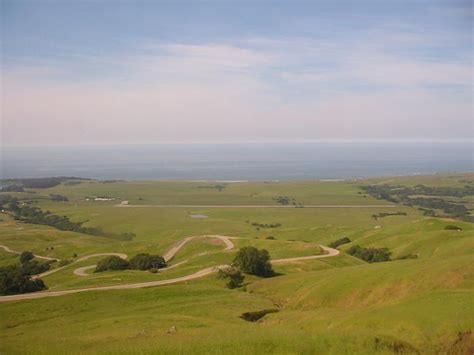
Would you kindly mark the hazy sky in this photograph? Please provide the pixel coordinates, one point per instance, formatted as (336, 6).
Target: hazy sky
(85, 72)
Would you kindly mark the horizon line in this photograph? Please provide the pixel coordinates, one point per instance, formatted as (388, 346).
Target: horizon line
(224, 142)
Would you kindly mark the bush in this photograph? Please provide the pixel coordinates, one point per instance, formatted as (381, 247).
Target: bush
(14, 280)
(371, 255)
(254, 261)
(255, 316)
(147, 262)
(112, 263)
(64, 262)
(26, 256)
(338, 242)
(452, 227)
(234, 275)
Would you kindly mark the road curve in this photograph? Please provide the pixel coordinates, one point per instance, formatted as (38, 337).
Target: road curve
(8, 250)
(229, 245)
(177, 246)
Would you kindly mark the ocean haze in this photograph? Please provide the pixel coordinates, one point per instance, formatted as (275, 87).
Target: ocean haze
(238, 161)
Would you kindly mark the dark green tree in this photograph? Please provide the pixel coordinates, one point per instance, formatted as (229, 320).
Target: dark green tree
(26, 256)
(112, 263)
(233, 275)
(147, 262)
(254, 261)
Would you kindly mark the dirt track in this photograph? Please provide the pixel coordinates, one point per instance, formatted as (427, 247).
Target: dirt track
(254, 206)
(168, 256)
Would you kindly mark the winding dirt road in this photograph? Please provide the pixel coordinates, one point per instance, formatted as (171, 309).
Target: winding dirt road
(168, 256)
(8, 250)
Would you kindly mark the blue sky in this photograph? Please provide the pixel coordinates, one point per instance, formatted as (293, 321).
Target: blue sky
(85, 72)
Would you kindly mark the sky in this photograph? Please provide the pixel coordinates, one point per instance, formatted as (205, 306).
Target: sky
(127, 72)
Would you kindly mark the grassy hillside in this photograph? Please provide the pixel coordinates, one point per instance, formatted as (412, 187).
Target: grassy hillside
(337, 305)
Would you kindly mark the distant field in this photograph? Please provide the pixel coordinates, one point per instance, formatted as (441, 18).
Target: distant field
(336, 305)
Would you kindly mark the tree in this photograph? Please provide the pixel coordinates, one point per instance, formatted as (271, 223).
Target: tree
(13, 280)
(26, 256)
(147, 262)
(112, 263)
(234, 276)
(254, 261)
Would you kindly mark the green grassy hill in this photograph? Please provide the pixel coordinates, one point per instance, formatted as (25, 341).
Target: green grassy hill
(338, 305)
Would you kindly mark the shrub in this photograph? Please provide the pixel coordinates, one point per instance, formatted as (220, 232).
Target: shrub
(234, 276)
(371, 255)
(112, 263)
(407, 256)
(26, 256)
(147, 262)
(255, 316)
(338, 242)
(254, 261)
(64, 262)
(270, 237)
(452, 227)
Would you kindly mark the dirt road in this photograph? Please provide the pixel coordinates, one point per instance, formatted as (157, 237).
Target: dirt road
(170, 254)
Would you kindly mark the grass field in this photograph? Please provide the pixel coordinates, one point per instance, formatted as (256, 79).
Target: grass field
(337, 305)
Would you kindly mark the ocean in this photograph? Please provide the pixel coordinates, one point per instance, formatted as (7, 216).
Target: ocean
(249, 161)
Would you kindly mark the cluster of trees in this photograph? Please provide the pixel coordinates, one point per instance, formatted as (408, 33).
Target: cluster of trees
(387, 214)
(138, 262)
(371, 255)
(402, 194)
(266, 225)
(15, 279)
(339, 242)
(249, 260)
(35, 215)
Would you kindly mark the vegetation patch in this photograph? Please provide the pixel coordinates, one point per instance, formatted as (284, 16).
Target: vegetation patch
(257, 315)
(35, 215)
(410, 196)
(41, 183)
(138, 262)
(254, 261)
(219, 187)
(16, 279)
(371, 255)
(233, 275)
(387, 214)
(452, 227)
(112, 263)
(147, 262)
(407, 256)
(266, 225)
(339, 242)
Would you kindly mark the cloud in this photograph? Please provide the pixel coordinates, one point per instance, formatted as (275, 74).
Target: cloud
(255, 88)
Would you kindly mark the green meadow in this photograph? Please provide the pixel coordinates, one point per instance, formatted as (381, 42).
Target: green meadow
(422, 304)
